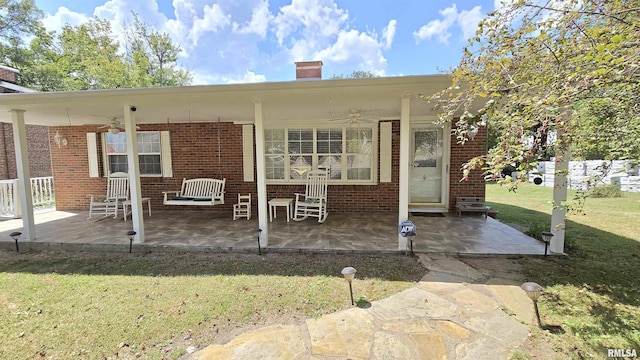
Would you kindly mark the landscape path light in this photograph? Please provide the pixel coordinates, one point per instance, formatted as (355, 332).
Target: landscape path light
(131, 234)
(15, 236)
(349, 274)
(533, 291)
(258, 233)
(546, 238)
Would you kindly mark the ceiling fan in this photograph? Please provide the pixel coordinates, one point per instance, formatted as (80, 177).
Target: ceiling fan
(354, 116)
(114, 126)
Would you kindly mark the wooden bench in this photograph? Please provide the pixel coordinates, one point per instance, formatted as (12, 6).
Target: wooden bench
(471, 204)
(198, 192)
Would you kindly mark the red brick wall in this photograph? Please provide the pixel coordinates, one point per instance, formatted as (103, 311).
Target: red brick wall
(309, 70)
(194, 148)
(8, 75)
(37, 145)
(460, 154)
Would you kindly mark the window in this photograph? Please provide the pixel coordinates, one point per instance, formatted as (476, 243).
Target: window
(347, 152)
(149, 153)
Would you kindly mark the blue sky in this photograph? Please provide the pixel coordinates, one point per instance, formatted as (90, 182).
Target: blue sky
(240, 41)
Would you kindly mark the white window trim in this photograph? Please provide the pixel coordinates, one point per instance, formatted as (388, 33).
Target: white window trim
(374, 152)
(166, 169)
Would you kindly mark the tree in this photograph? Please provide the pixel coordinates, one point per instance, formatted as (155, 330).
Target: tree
(85, 56)
(153, 56)
(356, 74)
(18, 19)
(530, 66)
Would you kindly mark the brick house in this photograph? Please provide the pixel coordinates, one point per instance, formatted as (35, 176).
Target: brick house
(37, 136)
(385, 152)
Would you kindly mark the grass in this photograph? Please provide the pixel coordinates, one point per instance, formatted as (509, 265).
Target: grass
(593, 294)
(93, 305)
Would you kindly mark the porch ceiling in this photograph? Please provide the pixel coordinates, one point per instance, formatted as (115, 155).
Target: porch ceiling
(378, 98)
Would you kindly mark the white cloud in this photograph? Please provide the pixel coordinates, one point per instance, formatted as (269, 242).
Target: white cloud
(389, 33)
(438, 28)
(441, 29)
(316, 19)
(260, 18)
(319, 30)
(61, 17)
(248, 77)
(213, 20)
(221, 39)
(468, 21)
(201, 78)
(353, 47)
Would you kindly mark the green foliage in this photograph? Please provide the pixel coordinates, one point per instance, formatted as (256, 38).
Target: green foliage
(85, 56)
(531, 66)
(593, 294)
(153, 305)
(152, 57)
(535, 230)
(606, 130)
(18, 20)
(356, 74)
(606, 191)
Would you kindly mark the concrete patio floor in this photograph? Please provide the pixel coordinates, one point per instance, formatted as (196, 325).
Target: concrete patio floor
(215, 230)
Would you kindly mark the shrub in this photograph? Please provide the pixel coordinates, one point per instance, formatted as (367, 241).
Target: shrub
(606, 191)
(536, 229)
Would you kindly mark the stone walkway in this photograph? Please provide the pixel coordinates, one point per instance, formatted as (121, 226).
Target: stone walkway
(455, 312)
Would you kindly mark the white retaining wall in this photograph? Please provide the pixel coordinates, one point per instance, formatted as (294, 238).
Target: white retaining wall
(621, 173)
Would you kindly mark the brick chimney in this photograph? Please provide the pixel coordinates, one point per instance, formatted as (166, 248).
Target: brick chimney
(8, 74)
(308, 70)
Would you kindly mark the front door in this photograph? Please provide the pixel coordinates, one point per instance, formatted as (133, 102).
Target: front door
(428, 169)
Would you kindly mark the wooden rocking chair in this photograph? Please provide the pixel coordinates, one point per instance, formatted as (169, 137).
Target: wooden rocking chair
(314, 201)
(117, 193)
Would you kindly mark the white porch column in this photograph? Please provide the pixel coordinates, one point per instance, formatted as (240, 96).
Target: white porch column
(260, 176)
(403, 185)
(559, 211)
(133, 164)
(24, 176)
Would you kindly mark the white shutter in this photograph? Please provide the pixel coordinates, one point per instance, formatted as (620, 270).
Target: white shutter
(247, 152)
(385, 151)
(165, 144)
(92, 150)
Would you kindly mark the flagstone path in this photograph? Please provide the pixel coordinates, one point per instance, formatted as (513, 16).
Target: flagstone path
(455, 312)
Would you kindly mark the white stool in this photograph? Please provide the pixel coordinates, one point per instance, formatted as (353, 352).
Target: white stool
(273, 203)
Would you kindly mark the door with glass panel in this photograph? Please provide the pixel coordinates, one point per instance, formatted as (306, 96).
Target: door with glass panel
(427, 167)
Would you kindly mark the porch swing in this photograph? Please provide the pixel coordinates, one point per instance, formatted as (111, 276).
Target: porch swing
(199, 191)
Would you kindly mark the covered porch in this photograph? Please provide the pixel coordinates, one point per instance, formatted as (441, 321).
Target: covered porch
(216, 231)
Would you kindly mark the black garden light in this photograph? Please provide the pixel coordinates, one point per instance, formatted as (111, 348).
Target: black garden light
(533, 291)
(258, 234)
(15, 236)
(349, 274)
(131, 234)
(546, 238)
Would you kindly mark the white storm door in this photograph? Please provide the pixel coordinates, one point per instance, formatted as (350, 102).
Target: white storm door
(427, 168)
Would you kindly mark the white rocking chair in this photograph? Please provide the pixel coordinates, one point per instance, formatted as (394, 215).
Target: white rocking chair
(314, 201)
(117, 193)
(243, 208)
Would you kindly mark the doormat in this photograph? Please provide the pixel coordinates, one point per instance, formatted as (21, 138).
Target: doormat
(427, 214)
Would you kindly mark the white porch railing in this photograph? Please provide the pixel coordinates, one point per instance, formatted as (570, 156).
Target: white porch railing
(42, 193)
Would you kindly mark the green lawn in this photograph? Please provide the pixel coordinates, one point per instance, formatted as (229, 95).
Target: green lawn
(593, 294)
(112, 305)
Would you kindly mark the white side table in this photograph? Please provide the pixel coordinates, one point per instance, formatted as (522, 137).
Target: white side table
(273, 203)
(127, 203)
